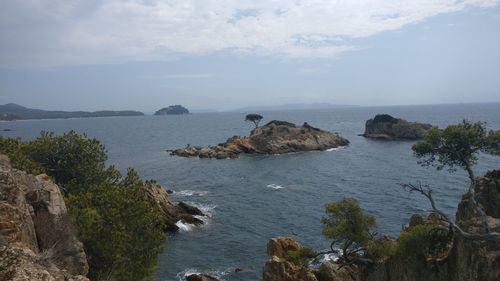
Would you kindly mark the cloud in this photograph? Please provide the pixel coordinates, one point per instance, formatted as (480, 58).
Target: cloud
(61, 32)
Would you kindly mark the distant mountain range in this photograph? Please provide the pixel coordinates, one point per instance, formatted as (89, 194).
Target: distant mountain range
(12, 111)
(294, 106)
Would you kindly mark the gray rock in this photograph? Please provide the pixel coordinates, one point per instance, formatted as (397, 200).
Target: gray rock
(276, 137)
(386, 127)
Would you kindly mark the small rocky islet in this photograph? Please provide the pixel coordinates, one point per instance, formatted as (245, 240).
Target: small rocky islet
(386, 127)
(276, 137)
(172, 110)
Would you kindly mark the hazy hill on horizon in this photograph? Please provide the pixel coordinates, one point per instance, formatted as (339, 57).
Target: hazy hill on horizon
(293, 106)
(13, 111)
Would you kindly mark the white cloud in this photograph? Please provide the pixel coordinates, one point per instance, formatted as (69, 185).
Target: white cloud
(58, 32)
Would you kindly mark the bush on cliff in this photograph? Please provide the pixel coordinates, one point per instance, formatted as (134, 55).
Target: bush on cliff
(301, 256)
(421, 241)
(14, 149)
(348, 225)
(122, 230)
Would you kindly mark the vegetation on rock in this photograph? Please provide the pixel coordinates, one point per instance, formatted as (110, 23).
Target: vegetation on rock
(254, 118)
(122, 230)
(458, 146)
(348, 225)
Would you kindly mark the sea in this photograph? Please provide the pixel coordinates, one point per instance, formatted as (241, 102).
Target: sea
(254, 198)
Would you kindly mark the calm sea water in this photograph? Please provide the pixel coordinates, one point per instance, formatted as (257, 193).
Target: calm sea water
(254, 198)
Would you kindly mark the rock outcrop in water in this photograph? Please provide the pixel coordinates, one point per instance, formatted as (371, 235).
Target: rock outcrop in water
(276, 137)
(37, 239)
(465, 260)
(386, 127)
(172, 213)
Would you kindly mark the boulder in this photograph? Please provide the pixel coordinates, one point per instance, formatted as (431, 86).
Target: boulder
(37, 238)
(276, 137)
(172, 213)
(386, 127)
(279, 246)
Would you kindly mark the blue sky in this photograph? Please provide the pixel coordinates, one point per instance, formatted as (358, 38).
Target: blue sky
(91, 55)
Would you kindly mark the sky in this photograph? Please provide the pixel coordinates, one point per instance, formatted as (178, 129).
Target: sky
(228, 54)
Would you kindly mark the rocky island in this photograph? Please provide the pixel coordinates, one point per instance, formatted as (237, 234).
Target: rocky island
(386, 127)
(276, 137)
(173, 110)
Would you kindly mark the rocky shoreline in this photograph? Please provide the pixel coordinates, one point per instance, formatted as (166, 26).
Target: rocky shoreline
(38, 241)
(276, 137)
(464, 259)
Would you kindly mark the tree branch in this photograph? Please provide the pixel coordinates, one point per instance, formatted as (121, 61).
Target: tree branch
(427, 192)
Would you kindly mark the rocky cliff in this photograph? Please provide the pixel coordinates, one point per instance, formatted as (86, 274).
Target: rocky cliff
(276, 137)
(463, 259)
(37, 239)
(467, 260)
(278, 268)
(172, 213)
(386, 127)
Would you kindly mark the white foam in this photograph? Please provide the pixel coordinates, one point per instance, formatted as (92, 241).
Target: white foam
(190, 193)
(184, 227)
(217, 273)
(335, 148)
(275, 186)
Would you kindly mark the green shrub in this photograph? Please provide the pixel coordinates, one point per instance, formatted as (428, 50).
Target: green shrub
(381, 248)
(301, 256)
(19, 160)
(121, 229)
(421, 241)
(74, 161)
(347, 224)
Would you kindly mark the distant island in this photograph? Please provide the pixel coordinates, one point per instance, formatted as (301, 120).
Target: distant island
(12, 111)
(173, 110)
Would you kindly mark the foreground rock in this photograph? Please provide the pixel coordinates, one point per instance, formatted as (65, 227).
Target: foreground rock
(173, 110)
(172, 213)
(37, 239)
(467, 260)
(278, 268)
(276, 137)
(462, 260)
(386, 127)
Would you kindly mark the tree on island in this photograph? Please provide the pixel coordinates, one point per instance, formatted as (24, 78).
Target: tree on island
(458, 146)
(255, 118)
